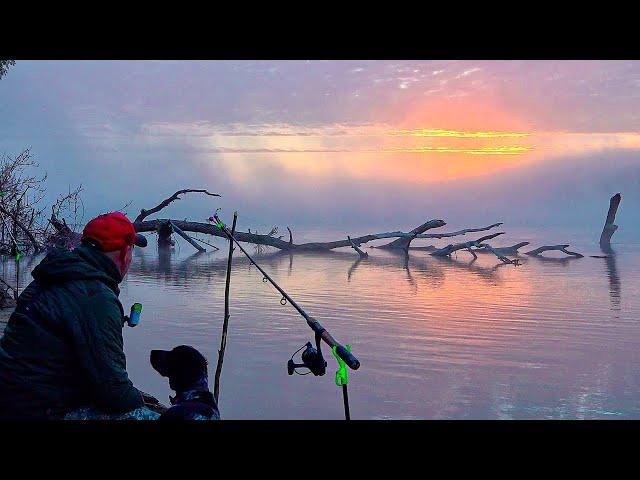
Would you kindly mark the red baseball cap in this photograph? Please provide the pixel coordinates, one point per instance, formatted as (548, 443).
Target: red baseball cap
(113, 231)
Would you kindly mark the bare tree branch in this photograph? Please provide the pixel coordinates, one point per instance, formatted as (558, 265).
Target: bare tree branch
(32, 239)
(459, 232)
(176, 196)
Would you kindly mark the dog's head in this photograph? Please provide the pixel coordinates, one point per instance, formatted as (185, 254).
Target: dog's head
(185, 367)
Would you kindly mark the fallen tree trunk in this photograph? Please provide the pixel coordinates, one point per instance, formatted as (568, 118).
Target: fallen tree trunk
(609, 227)
(270, 241)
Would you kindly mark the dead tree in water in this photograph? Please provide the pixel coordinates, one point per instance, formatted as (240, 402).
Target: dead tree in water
(609, 227)
(402, 239)
(560, 248)
(479, 243)
(165, 227)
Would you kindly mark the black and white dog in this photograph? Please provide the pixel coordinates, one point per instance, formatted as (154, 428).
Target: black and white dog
(186, 369)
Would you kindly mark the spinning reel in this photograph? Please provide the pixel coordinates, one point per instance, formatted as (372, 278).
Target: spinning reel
(312, 359)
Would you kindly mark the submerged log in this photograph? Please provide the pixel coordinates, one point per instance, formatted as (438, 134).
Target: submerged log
(609, 227)
(560, 248)
(511, 250)
(357, 249)
(449, 249)
(453, 247)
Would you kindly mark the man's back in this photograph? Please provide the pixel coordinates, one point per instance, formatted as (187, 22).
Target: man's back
(62, 347)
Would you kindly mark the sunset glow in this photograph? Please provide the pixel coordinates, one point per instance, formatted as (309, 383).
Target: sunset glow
(427, 132)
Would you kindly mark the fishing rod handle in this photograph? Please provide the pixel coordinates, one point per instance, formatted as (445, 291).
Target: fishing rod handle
(341, 351)
(348, 358)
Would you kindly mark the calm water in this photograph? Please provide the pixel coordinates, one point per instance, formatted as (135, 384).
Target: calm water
(436, 338)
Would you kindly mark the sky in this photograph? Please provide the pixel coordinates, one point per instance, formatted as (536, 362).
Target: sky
(345, 144)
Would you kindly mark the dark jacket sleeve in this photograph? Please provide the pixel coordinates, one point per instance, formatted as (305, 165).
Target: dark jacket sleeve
(101, 353)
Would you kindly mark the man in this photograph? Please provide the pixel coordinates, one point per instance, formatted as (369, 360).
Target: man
(62, 349)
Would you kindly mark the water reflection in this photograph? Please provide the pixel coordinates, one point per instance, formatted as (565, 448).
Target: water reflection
(614, 281)
(437, 337)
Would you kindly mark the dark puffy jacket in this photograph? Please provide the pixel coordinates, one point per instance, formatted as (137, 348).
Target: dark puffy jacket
(62, 347)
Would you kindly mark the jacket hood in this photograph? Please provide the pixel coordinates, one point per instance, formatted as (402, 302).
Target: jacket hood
(83, 263)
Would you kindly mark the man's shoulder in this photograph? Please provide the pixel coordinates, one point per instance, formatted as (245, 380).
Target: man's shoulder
(85, 293)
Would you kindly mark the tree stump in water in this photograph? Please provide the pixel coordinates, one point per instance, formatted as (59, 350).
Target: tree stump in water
(609, 227)
(164, 234)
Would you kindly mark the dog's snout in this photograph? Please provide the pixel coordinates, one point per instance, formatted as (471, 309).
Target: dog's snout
(159, 361)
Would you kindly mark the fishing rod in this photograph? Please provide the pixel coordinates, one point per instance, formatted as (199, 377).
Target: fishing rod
(311, 357)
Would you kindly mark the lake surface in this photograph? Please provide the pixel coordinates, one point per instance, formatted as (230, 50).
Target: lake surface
(436, 338)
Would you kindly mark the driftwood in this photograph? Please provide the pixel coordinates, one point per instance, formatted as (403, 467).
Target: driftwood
(357, 249)
(406, 238)
(495, 251)
(609, 227)
(432, 248)
(560, 248)
(453, 247)
(270, 241)
(402, 241)
(511, 250)
(449, 249)
(459, 232)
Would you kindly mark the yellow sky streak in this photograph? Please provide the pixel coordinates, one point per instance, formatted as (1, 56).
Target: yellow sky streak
(427, 132)
(500, 150)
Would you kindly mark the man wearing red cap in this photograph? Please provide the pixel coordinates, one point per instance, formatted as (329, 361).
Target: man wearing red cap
(62, 349)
